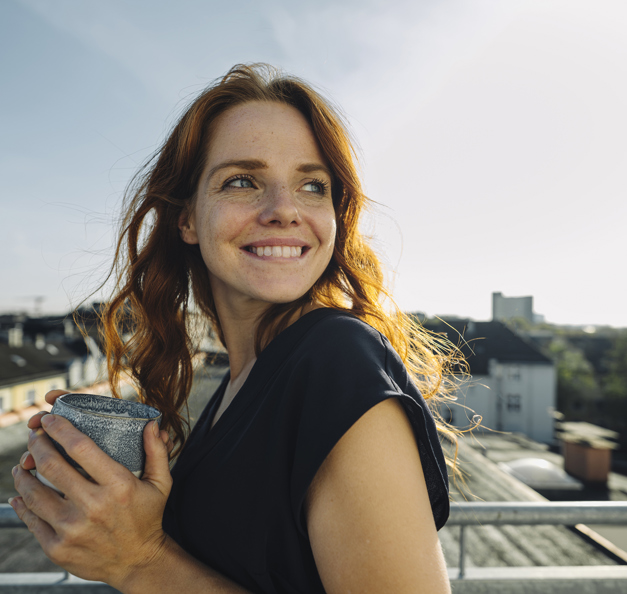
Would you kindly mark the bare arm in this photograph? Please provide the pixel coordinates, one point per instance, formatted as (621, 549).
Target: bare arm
(368, 513)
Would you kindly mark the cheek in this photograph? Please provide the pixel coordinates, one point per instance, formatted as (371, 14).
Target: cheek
(220, 223)
(328, 230)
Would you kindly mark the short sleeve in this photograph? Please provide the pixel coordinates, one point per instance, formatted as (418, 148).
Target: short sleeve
(350, 367)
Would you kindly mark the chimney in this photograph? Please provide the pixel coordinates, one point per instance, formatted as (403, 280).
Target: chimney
(16, 337)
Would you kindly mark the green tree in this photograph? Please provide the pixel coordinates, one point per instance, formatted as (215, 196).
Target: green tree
(615, 384)
(577, 387)
(615, 387)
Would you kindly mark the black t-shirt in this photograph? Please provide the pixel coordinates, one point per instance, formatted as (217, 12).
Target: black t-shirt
(239, 488)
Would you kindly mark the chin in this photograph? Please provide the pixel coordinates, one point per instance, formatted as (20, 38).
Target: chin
(276, 296)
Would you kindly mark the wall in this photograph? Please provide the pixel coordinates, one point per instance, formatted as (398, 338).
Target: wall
(513, 397)
(506, 308)
(15, 397)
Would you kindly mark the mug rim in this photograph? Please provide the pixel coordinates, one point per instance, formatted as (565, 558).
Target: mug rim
(108, 416)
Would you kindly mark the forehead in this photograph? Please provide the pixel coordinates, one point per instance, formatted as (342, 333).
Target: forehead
(253, 128)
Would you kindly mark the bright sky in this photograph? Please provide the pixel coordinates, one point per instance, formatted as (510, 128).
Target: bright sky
(492, 133)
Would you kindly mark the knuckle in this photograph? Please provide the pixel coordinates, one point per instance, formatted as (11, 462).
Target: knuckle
(123, 491)
(34, 436)
(69, 534)
(37, 417)
(29, 500)
(31, 520)
(96, 512)
(78, 446)
(52, 395)
(57, 553)
(48, 463)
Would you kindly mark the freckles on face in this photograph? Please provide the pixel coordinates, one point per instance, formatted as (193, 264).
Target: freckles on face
(263, 215)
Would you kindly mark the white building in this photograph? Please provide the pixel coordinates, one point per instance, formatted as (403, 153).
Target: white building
(513, 386)
(507, 308)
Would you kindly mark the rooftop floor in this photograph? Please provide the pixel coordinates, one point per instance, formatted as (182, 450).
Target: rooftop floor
(508, 447)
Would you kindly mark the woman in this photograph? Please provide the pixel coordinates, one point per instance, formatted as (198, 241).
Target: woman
(316, 465)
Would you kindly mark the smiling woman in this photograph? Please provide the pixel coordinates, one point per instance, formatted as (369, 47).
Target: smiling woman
(316, 466)
(256, 200)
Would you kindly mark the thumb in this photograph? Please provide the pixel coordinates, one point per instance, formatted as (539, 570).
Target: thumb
(157, 467)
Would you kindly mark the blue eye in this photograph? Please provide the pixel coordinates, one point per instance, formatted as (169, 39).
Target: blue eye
(239, 182)
(316, 186)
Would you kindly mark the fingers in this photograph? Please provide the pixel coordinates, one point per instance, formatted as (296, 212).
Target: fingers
(41, 529)
(98, 465)
(51, 464)
(27, 462)
(42, 501)
(157, 468)
(54, 394)
(35, 421)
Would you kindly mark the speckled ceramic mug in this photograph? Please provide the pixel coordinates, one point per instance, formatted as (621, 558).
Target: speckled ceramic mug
(116, 426)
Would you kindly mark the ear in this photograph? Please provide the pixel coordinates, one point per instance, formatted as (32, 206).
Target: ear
(187, 228)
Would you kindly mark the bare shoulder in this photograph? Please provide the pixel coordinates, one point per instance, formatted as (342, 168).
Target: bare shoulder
(368, 513)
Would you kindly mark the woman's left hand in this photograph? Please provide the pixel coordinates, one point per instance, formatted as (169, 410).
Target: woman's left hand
(102, 529)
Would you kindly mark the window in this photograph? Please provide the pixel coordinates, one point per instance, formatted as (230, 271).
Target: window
(513, 402)
(2, 405)
(30, 398)
(514, 373)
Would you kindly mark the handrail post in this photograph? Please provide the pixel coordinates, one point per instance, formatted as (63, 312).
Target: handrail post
(462, 553)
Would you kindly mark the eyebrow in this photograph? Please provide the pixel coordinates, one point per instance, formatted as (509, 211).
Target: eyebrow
(254, 164)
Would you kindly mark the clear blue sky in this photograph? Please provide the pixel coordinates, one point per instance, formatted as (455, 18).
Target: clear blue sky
(493, 135)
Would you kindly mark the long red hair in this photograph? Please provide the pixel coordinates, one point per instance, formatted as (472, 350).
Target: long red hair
(160, 278)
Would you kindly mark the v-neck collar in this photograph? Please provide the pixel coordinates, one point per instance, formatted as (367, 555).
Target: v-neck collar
(204, 438)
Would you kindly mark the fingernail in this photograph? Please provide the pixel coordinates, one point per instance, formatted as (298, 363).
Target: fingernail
(23, 458)
(11, 499)
(35, 433)
(15, 469)
(155, 429)
(48, 419)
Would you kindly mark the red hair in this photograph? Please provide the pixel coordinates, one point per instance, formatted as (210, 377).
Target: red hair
(159, 276)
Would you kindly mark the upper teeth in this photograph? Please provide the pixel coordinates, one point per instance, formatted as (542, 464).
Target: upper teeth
(278, 251)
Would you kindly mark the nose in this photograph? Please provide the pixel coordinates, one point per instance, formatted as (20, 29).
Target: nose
(279, 207)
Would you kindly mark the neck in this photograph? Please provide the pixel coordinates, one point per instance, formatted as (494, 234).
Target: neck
(239, 326)
(239, 337)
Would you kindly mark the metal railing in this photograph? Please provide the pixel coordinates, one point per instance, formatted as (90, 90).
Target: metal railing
(600, 579)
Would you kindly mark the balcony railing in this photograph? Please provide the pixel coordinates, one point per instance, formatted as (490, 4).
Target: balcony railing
(603, 579)
(597, 579)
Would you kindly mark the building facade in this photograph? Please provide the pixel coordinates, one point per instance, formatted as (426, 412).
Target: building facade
(508, 308)
(32, 364)
(513, 387)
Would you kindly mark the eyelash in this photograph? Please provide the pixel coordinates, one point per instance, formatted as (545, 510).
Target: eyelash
(324, 186)
(236, 177)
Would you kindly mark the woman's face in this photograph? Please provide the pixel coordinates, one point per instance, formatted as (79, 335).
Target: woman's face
(263, 214)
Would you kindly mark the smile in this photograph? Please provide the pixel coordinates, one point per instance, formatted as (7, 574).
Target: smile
(276, 251)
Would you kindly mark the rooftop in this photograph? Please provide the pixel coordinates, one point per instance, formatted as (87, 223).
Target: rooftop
(482, 341)
(512, 546)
